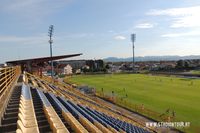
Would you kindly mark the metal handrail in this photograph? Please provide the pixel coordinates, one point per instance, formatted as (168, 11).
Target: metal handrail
(8, 78)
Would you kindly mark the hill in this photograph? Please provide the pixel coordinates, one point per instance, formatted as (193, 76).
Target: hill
(152, 58)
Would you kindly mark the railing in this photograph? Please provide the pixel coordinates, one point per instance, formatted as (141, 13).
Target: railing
(8, 77)
(138, 108)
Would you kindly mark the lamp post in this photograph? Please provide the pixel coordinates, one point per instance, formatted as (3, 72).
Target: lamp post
(50, 42)
(133, 37)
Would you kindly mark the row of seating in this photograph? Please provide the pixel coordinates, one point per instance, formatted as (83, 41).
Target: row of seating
(73, 122)
(103, 126)
(34, 82)
(128, 128)
(80, 116)
(62, 91)
(87, 116)
(91, 127)
(82, 99)
(93, 116)
(102, 118)
(91, 103)
(74, 118)
(26, 117)
(54, 120)
(84, 121)
(66, 86)
(121, 124)
(49, 87)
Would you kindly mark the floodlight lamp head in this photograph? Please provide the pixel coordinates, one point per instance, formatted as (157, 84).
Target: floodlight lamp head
(50, 41)
(133, 37)
(51, 27)
(50, 34)
(50, 30)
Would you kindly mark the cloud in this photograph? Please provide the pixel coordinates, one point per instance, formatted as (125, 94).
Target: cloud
(191, 33)
(181, 17)
(144, 26)
(119, 37)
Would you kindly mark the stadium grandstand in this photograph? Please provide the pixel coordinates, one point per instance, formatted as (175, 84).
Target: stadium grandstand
(31, 104)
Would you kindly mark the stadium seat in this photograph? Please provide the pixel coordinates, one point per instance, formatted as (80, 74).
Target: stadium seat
(82, 111)
(55, 122)
(72, 116)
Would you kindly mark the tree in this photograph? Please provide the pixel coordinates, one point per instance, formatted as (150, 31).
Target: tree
(180, 64)
(107, 66)
(186, 64)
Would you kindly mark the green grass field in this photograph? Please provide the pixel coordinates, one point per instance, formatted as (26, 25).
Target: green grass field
(195, 72)
(157, 93)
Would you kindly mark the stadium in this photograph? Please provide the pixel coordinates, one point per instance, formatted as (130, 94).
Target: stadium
(33, 102)
(111, 66)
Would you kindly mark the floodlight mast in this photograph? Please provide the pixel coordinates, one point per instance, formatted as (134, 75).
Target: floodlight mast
(50, 42)
(133, 37)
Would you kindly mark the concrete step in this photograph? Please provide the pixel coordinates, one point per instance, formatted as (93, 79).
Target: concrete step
(12, 110)
(43, 124)
(10, 117)
(9, 120)
(8, 127)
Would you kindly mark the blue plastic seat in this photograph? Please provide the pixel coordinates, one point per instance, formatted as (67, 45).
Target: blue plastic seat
(43, 98)
(58, 103)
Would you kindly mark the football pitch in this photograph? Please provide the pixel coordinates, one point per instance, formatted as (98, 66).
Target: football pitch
(157, 93)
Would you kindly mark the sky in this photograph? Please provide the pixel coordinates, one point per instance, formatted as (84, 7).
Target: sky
(99, 28)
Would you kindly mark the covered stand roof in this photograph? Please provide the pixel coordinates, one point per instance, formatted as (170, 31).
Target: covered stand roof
(42, 59)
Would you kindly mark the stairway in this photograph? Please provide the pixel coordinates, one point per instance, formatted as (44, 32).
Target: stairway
(9, 120)
(40, 116)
